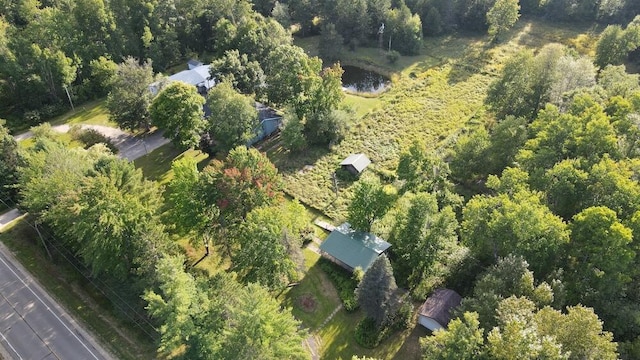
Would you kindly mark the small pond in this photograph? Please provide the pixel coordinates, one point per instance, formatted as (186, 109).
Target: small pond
(360, 80)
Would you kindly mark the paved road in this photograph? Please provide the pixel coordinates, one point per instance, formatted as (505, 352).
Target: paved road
(32, 325)
(9, 216)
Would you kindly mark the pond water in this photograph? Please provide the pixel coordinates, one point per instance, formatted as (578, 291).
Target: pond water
(360, 80)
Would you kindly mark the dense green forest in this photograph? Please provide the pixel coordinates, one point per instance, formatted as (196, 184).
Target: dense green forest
(530, 209)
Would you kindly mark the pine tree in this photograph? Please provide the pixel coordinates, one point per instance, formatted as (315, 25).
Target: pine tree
(376, 290)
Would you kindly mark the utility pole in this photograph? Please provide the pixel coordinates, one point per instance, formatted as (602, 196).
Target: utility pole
(68, 96)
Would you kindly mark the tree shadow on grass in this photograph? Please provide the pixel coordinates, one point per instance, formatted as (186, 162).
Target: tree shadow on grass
(314, 285)
(474, 59)
(290, 162)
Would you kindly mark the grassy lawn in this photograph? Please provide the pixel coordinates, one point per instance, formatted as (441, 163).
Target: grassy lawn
(315, 298)
(93, 112)
(74, 292)
(361, 105)
(338, 341)
(157, 164)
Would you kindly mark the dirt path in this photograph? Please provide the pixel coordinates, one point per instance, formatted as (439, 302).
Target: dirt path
(130, 147)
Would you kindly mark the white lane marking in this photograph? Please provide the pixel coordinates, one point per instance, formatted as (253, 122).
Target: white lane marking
(11, 346)
(52, 313)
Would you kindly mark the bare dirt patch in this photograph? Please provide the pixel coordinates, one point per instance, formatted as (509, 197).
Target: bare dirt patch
(307, 302)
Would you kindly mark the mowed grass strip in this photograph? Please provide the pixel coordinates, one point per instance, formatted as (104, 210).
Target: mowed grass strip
(93, 113)
(75, 293)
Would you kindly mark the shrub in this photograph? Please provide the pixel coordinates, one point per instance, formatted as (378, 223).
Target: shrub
(367, 333)
(402, 318)
(32, 117)
(90, 137)
(344, 283)
(393, 56)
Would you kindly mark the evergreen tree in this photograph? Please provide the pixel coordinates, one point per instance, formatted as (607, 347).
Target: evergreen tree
(376, 291)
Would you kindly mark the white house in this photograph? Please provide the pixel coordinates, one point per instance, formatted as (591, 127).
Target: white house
(435, 313)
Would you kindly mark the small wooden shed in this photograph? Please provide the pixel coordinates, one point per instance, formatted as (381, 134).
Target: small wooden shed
(355, 163)
(435, 313)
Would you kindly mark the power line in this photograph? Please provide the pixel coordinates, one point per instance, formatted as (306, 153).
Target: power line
(97, 283)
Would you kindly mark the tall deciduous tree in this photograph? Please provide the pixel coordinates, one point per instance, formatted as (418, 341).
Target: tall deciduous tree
(189, 211)
(292, 134)
(599, 256)
(425, 241)
(579, 331)
(246, 76)
(371, 200)
(103, 72)
(9, 161)
(523, 86)
(290, 75)
(245, 180)
(233, 117)
(112, 220)
(616, 81)
(517, 337)
(520, 224)
(462, 340)
(502, 16)
(377, 290)
(177, 110)
(51, 172)
(426, 172)
(130, 97)
(403, 30)
(615, 44)
(175, 304)
(258, 327)
(509, 277)
(269, 242)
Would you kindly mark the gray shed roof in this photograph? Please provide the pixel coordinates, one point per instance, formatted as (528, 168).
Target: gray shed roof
(438, 306)
(353, 248)
(358, 161)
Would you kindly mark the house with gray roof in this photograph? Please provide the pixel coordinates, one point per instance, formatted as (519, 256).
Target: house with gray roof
(351, 249)
(197, 76)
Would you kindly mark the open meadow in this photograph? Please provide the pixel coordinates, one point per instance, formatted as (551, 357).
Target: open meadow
(434, 97)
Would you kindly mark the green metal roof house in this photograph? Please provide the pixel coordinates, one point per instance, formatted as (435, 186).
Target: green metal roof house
(350, 249)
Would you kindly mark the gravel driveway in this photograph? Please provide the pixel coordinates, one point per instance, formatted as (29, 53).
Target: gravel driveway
(130, 147)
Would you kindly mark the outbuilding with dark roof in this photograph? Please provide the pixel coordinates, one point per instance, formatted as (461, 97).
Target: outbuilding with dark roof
(435, 313)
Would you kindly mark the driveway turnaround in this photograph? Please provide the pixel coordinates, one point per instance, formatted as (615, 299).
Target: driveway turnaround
(32, 325)
(130, 147)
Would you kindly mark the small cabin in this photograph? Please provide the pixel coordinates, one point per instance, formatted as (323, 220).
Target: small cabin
(356, 163)
(435, 313)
